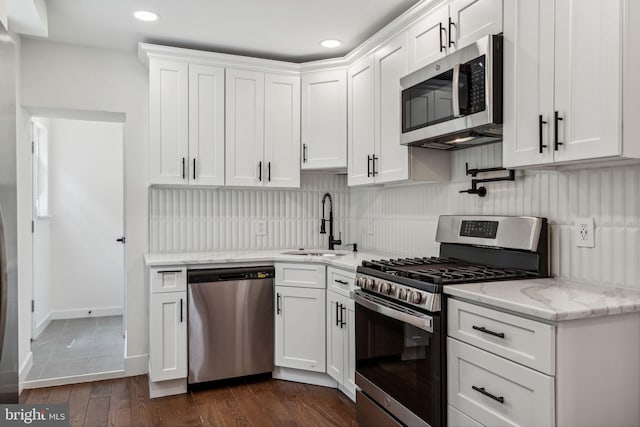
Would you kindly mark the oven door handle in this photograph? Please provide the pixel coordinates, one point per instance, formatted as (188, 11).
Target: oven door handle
(423, 322)
(455, 90)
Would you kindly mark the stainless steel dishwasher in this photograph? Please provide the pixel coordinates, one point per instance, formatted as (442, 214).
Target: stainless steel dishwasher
(230, 322)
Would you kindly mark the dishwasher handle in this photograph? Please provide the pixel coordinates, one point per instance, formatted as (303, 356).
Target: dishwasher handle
(230, 274)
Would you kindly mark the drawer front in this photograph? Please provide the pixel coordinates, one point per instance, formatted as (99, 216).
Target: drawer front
(525, 341)
(456, 418)
(168, 279)
(495, 391)
(300, 275)
(341, 281)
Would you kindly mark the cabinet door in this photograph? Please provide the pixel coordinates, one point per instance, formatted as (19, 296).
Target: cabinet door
(244, 110)
(588, 97)
(206, 125)
(282, 130)
(335, 338)
(350, 345)
(392, 163)
(324, 120)
(361, 119)
(528, 82)
(168, 122)
(472, 20)
(429, 38)
(168, 336)
(300, 328)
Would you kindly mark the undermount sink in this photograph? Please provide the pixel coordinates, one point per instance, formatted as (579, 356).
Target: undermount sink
(317, 252)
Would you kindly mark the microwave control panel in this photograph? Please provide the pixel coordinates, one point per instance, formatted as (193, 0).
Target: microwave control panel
(476, 81)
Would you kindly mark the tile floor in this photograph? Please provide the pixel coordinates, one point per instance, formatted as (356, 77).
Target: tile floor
(78, 346)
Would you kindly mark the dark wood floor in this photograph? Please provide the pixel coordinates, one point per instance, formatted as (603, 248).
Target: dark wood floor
(255, 402)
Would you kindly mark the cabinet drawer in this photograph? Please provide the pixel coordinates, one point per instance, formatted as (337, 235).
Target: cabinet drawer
(300, 275)
(495, 391)
(456, 418)
(340, 281)
(168, 279)
(522, 340)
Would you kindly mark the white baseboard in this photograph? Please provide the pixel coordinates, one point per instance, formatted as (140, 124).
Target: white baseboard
(167, 388)
(306, 377)
(25, 368)
(136, 365)
(42, 325)
(77, 313)
(76, 379)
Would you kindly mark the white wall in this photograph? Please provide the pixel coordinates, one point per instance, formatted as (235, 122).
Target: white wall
(78, 78)
(85, 202)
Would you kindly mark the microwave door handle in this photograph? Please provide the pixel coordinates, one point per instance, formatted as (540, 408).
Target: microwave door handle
(455, 90)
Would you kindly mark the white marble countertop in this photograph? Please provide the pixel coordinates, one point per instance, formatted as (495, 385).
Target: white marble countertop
(550, 299)
(348, 262)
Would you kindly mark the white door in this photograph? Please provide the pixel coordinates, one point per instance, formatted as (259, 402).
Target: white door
(282, 131)
(472, 20)
(528, 83)
(168, 122)
(392, 159)
(244, 147)
(429, 38)
(300, 328)
(206, 125)
(335, 338)
(361, 119)
(324, 120)
(588, 97)
(168, 336)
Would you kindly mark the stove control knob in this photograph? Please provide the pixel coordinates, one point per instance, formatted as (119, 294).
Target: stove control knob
(415, 297)
(403, 294)
(360, 281)
(384, 288)
(369, 284)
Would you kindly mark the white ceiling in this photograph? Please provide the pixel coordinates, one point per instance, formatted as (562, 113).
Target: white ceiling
(279, 29)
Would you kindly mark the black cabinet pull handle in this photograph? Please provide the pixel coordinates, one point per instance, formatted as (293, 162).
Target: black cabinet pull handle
(269, 173)
(278, 303)
(337, 314)
(487, 331)
(260, 170)
(342, 282)
(369, 166)
(451, 24)
(181, 319)
(374, 172)
(169, 271)
(540, 123)
(342, 310)
(486, 393)
(184, 176)
(556, 119)
(194, 168)
(442, 46)
(304, 153)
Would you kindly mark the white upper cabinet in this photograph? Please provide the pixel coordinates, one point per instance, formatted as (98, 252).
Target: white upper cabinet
(282, 131)
(450, 26)
(562, 82)
(361, 117)
(168, 120)
(263, 129)
(186, 117)
(206, 125)
(324, 120)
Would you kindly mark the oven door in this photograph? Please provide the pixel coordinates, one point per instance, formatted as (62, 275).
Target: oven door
(399, 360)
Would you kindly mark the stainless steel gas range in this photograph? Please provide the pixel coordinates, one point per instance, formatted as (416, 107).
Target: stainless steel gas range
(401, 313)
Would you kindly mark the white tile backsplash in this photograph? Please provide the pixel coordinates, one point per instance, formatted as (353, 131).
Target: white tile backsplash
(404, 217)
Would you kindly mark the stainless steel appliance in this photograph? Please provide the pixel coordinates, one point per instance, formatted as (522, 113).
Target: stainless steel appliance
(401, 315)
(8, 223)
(455, 102)
(230, 322)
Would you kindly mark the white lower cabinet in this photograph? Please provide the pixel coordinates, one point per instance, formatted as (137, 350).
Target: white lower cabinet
(300, 319)
(341, 341)
(168, 336)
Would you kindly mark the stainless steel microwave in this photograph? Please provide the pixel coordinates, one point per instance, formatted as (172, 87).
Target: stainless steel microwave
(455, 102)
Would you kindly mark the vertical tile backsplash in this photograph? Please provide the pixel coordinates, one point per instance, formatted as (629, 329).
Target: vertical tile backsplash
(402, 219)
(213, 219)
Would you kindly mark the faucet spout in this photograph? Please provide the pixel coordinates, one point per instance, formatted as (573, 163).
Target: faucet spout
(332, 241)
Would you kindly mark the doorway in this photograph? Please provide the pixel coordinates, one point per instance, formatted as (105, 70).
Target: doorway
(78, 248)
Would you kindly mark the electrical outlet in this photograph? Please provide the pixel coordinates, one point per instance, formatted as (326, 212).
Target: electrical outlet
(260, 227)
(584, 230)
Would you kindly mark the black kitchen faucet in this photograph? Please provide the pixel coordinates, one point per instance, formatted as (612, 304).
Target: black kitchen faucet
(323, 230)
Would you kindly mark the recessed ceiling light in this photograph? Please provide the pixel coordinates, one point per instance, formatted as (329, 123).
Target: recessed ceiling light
(330, 43)
(145, 15)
